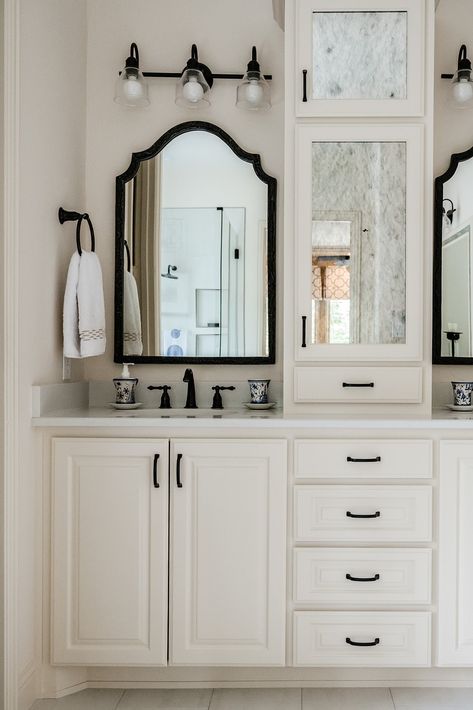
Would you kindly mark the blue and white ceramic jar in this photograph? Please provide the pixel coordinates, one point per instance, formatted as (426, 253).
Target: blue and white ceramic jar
(125, 386)
(259, 391)
(462, 393)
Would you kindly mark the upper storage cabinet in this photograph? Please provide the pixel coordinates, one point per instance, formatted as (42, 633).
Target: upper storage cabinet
(359, 58)
(358, 259)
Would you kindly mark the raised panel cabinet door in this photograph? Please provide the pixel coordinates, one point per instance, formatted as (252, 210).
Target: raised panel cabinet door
(228, 552)
(455, 569)
(109, 551)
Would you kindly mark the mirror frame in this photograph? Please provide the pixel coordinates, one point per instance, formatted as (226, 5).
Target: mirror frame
(437, 357)
(255, 160)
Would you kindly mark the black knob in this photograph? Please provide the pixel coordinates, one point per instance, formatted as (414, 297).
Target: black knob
(165, 399)
(217, 402)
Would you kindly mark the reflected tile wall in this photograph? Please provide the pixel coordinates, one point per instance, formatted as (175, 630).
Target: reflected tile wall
(359, 55)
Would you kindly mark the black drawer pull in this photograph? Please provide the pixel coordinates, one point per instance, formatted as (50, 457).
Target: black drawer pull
(178, 471)
(357, 384)
(362, 579)
(376, 459)
(304, 329)
(361, 643)
(304, 86)
(371, 515)
(155, 471)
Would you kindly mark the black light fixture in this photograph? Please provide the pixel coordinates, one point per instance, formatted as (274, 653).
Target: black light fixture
(195, 82)
(131, 89)
(461, 94)
(448, 213)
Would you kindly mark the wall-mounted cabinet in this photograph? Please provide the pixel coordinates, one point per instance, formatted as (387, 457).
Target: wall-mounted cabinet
(358, 58)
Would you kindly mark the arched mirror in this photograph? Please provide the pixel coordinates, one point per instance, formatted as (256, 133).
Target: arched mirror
(195, 277)
(453, 263)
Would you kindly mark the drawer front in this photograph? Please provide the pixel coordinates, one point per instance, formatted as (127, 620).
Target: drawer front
(358, 384)
(362, 577)
(362, 458)
(363, 513)
(325, 638)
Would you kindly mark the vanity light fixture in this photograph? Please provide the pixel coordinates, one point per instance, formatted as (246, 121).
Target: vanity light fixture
(195, 82)
(131, 89)
(461, 94)
(448, 213)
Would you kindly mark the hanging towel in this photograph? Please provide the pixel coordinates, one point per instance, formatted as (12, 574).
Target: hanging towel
(132, 340)
(84, 309)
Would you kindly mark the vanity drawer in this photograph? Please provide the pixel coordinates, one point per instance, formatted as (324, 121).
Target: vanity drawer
(358, 384)
(362, 577)
(358, 458)
(362, 513)
(398, 639)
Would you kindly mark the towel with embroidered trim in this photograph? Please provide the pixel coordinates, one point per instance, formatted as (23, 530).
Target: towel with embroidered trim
(84, 308)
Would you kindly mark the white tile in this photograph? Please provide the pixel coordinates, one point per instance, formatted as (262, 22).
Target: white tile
(195, 699)
(256, 699)
(85, 700)
(346, 699)
(433, 698)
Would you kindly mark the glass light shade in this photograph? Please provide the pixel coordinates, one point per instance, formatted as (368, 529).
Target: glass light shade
(461, 90)
(131, 89)
(253, 93)
(192, 90)
(446, 223)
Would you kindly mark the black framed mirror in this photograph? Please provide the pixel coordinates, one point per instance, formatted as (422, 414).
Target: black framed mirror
(452, 335)
(195, 259)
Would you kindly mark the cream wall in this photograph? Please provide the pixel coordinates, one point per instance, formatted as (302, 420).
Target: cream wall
(51, 173)
(453, 128)
(224, 32)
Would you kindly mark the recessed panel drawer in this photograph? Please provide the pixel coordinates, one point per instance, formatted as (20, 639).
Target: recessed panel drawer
(362, 458)
(362, 513)
(369, 639)
(362, 577)
(358, 384)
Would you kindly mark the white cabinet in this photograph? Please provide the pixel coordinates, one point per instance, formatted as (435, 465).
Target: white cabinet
(228, 552)
(110, 551)
(455, 571)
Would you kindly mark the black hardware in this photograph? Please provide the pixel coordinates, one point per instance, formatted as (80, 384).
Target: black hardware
(304, 328)
(254, 160)
(155, 471)
(237, 254)
(69, 216)
(448, 213)
(304, 86)
(128, 256)
(361, 643)
(453, 336)
(217, 402)
(178, 471)
(189, 378)
(357, 384)
(371, 515)
(165, 399)
(463, 65)
(362, 579)
(376, 459)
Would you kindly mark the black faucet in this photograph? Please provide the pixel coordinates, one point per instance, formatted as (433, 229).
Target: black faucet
(189, 378)
(165, 399)
(217, 400)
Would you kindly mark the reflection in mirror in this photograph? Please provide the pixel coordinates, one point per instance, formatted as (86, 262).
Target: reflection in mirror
(359, 55)
(196, 284)
(359, 243)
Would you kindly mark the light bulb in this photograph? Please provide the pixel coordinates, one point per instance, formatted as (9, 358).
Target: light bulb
(463, 91)
(254, 92)
(192, 91)
(133, 88)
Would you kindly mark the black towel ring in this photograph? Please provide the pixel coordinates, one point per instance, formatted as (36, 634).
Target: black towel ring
(91, 230)
(128, 255)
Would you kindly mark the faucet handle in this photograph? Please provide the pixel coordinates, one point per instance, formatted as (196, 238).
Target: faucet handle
(165, 399)
(217, 402)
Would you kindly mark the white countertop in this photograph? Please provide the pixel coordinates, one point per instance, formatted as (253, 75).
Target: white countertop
(243, 418)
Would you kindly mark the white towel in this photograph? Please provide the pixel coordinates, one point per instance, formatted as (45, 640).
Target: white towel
(84, 309)
(132, 340)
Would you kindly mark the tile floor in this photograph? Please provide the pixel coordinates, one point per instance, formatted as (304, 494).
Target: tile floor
(267, 699)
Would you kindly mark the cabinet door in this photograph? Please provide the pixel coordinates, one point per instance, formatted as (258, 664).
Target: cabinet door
(359, 57)
(109, 557)
(455, 622)
(228, 552)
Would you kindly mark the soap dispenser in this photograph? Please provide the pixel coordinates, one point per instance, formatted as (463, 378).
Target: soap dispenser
(125, 386)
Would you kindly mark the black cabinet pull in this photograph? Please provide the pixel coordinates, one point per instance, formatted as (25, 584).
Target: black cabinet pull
(362, 579)
(357, 384)
(361, 643)
(376, 459)
(155, 471)
(304, 85)
(178, 471)
(371, 515)
(304, 329)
